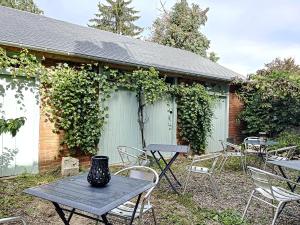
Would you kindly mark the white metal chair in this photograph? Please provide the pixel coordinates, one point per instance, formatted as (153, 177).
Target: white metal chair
(266, 190)
(125, 210)
(132, 156)
(279, 154)
(13, 219)
(251, 148)
(232, 151)
(210, 171)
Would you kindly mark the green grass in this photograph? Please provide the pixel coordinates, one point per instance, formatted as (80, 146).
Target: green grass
(11, 190)
(171, 208)
(191, 214)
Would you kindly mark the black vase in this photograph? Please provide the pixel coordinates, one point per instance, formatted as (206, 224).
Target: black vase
(99, 174)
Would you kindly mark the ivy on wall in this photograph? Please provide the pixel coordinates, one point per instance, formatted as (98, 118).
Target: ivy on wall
(73, 99)
(195, 111)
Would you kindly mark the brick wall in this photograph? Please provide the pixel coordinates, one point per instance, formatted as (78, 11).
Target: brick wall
(49, 148)
(235, 107)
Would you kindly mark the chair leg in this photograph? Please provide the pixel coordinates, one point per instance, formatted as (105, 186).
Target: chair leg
(186, 181)
(248, 204)
(213, 185)
(223, 163)
(276, 213)
(154, 216)
(243, 164)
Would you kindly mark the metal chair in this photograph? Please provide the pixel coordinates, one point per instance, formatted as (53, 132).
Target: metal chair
(249, 147)
(125, 210)
(209, 171)
(131, 156)
(13, 219)
(279, 154)
(229, 151)
(266, 190)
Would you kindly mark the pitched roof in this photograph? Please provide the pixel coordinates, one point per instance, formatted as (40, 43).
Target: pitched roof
(42, 33)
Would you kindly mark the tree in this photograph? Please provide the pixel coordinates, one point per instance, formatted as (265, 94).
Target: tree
(117, 17)
(24, 5)
(271, 98)
(283, 65)
(180, 28)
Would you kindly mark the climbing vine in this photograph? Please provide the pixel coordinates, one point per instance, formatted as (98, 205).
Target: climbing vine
(194, 110)
(149, 88)
(72, 99)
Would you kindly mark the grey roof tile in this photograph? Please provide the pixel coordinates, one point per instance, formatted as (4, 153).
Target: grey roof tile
(46, 34)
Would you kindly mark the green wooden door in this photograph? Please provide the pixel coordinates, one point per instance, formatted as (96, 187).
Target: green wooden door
(123, 129)
(219, 125)
(160, 127)
(122, 126)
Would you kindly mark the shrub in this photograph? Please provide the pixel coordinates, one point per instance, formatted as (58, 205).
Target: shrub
(289, 138)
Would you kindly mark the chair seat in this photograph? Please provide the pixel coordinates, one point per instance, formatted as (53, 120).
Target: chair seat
(281, 194)
(277, 158)
(125, 210)
(198, 169)
(234, 154)
(251, 151)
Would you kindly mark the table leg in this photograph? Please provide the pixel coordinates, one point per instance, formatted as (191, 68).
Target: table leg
(135, 208)
(169, 169)
(290, 186)
(61, 214)
(163, 171)
(105, 220)
(284, 175)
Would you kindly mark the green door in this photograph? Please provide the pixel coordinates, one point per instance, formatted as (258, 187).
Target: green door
(122, 126)
(160, 127)
(123, 129)
(219, 125)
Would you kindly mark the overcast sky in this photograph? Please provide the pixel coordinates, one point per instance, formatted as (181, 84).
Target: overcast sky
(245, 34)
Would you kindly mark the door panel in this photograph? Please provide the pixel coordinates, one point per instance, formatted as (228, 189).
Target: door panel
(122, 126)
(219, 126)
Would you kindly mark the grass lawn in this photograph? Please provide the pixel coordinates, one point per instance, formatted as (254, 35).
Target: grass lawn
(198, 206)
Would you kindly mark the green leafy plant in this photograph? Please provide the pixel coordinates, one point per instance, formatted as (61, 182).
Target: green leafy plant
(194, 110)
(73, 99)
(289, 138)
(11, 126)
(272, 98)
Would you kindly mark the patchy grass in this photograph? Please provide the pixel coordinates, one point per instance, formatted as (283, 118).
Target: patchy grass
(197, 207)
(12, 197)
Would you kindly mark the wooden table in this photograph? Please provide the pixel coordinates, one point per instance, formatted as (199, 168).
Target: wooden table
(157, 149)
(75, 192)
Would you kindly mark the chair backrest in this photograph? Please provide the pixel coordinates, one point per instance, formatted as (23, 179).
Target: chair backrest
(227, 146)
(213, 157)
(288, 151)
(132, 156)
(262, 179)
(143, 173)
(250, 145)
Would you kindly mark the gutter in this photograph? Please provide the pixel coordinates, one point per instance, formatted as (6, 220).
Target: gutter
(119, 62)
